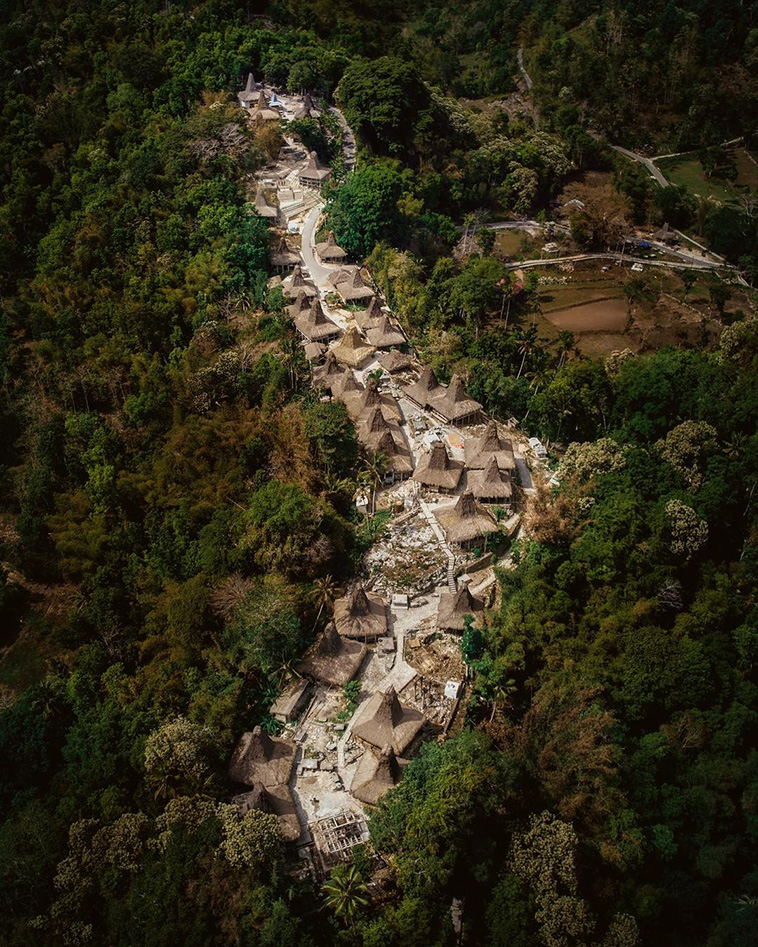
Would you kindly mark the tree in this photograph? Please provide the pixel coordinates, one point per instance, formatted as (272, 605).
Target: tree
(373, 471)
(346, 893)
(180, 757)
(364, 210)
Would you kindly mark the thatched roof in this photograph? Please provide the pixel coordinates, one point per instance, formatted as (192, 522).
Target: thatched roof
(370, 316)
(250, 92)
(276, 800)
(333, 659)
(314, 323)
(360, 615)
(385, 334)
(453, 609)
(296, 283)
(345, 383)
(350, 286)
(436, 469)
(360, 403)
(352, 349)
(424, 390)
(454, 404)
(260, 758)
(478, 451)
(328, 250)
(301, 304)
(490, 484)
(465, 520)
(375, 775)
(282, 255)
(314, 352)
(381, 435)
(262, 206)
(386, 722)
(262, 113)
(324, 376)
(314, 170)
(394, 361)
(307, 109)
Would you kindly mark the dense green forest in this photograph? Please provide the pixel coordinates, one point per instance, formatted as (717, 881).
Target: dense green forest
(174, 494)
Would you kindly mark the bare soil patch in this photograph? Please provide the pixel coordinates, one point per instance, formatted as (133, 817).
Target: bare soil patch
(602, 315)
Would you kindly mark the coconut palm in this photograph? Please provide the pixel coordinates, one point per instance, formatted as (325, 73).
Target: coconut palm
(502, 694)
(566, 344)
(323, 594)
(372, 473)
(345, 893)
(527, 345)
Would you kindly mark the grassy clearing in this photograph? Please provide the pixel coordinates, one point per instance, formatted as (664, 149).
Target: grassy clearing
(688, 171)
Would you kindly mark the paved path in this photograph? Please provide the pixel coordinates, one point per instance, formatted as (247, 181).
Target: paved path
(436, 529)
(525, 75)
(317, 271)
(649, 163)
(694, 263)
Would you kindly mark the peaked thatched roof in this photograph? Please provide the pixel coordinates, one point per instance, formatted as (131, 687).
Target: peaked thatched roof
(314, 170)
(453, 609)
(381, 435)
(478, 451)
(262, 112)
(296, 283)
(375, 775)
(276, 800)
(281, 255)
(333, 659)
(465, 521)
(394, 361)
(492, 483)
(424, 390)
(314, 352)
(386, 722)
(314, 323)
(249, 93)
(308, 108)
(345, 383)
(453, 403)
(361, 615)
(369, 317)
(262, 206)
(328, 250)
(301, 304)
(360, 403)
(384, 334)
(436, 469)
(325, 376)
(352, 349)
(260, 758)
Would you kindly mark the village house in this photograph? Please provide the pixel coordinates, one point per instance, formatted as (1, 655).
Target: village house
(385, 722)
(454, 607)
(334, 660)
(324, 376)
(375, 775)
(466, 523)
(274, 799)
(360, 615)
(301, 304)
(454, 405)
(314, 175)
(369, 318)
(260, 758)
(314, 352)
(478, 450)
(491, 485)
(380, 436)
(384, 334)
(423, 391)
(296, 282)
(394, 361)
(328, 251)
(314, 324)
(249, 95)
(307, 109)
(350, 286)
(360, 403)
(282, 257)
(261, 112)
(352, 350)
(436, 470)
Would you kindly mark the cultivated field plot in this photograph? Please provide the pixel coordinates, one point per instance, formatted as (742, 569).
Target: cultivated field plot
(688, 170)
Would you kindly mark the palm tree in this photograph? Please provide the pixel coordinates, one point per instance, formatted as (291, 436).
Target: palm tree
(502, 695)
(323, 594)
(290, 349)
(527, 345)
(345, 893)
(372, 473)
(566, 343)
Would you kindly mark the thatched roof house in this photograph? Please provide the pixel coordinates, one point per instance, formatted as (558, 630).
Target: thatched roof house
(350, 286)
(455, 405)
(290, 702)
(437, 470)
(360, 403)
(466, 522)
(314, 352)
(325, 376)
(345, 384)
(328, 251)
(491, 485)
(249, 94)
(314, 324)
(260, 758)
(379, 435)
(262, 206)
(333, 659)
(314, 174)
(477, 451)
(423, 391)
(301, 304)
(296, 283)
(369, 317)
(375, 775)
(386, 722)
(360, 615)
(282, 257)
(352, 350)
(308, 108)
(453, 609)
(384, 335)
(262, 113)
(276, 800)
(394, 361)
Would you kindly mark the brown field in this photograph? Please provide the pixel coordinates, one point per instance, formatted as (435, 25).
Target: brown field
(602, 315)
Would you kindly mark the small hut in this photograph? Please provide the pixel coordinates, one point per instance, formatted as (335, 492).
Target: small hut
(386, 722)
(314, 174)
(333, 659)
(381, 436)
(368, 318)
(350, 286)
(360, 615)
(477, 451)
(314, 352)
(262, 206)
(308, 108)
(260, 758)
(328, 251)
(314, 324)
(352, 350)
(296, 283)
(345, 384)
(454, 607)
(282, 258)
(491, 485)
(301, 304)
(394, 361)
(384, 335)
(466, 522)
(249, 94)
(278, 801)
(288, 704)
(423, 391)
(262, 113)
(360, 403)
(438, 471)
(454, 405)
(326, 375)
(375, 775)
